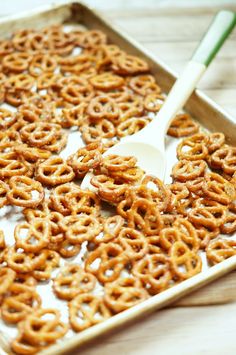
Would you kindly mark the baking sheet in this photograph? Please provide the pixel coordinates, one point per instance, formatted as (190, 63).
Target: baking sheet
(10, 216)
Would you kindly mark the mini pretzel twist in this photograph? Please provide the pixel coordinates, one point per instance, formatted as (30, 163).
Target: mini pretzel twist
(184, 262)
(39, 330)
(124, 293)
(54, 171)
(103, 107)
(111, 259)
(186, 170)
(145, 216)
(25, 192)
(112, 226)
(22, 302)
(218, 189)
(85, 159)
(183, 125)
(154, 272)
(220, 249)
(144, 85)
(21, 262)
(196, 146)
(85, 229)
(134, 243)
(106, 81)
(36, 238)
(71, 281)
(224, 158)
(87, 310)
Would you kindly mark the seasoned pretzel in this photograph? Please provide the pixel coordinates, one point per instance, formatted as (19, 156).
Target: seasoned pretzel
(112, 226)
(206, 234)
(43, 272)
(31, 154)
(154, 272)
(87, 310)
(9, 164)
(133, 242)
(229, 225)
(106, 81)
(58, 197)
(40, 134)
(124, 293)
(132, 126)
(144, 215)
(39, 330)
(218, 189)
(20, 81)
(153, 102)
(144, 85)
(33, 236)
(111, 259)
(54, 171)
(224, 158)
(85, 229)
(182, 126)
(92, 38)
(77, 93)
(42, 63)
(85, 159)
(193, 148)
(118, 163)
(83, 201)
(71, 281)
(20, 345)
(102, 107)
(219, 250)
(109, 189)
(25, 192)
(131, 106)
(16, 62)
(216, 141)
(22, 302)
(68, 250)
(21, 262)
(184, 262)
(207, 213)
(94, 131)
(126, 64)
(186, 170)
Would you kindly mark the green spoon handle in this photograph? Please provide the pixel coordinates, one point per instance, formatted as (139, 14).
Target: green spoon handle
(219, 30)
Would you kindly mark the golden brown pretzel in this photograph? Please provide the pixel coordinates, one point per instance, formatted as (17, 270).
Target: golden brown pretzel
(111, 259)
(37, 236)
(183, 125)
(85, 159)
(124, 293)
(71, 281)
(184, 262)
(154, 272)
(25, 192)
(220, 249)
(54, 171)
(40, 331)
(85, 229)
(134, 243)
(87, 310)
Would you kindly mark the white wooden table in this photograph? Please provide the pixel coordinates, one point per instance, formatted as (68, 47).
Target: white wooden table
(171, 29)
